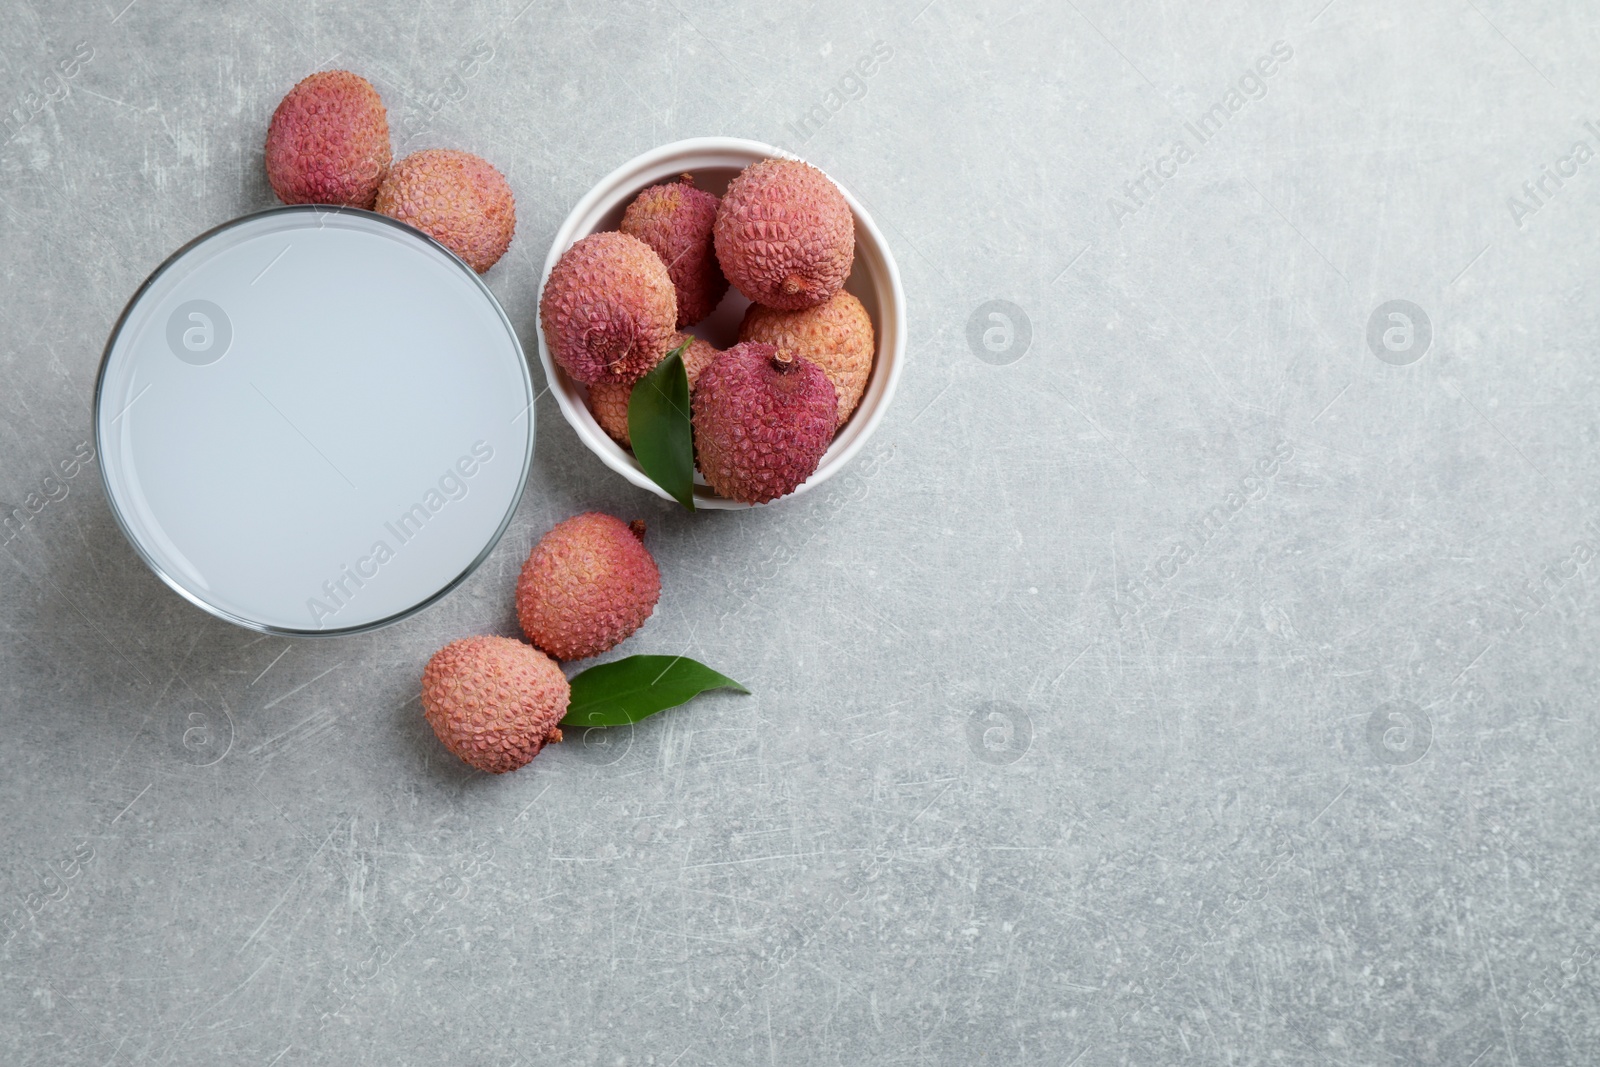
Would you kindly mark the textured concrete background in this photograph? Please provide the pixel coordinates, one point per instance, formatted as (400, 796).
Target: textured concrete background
(1174, 681)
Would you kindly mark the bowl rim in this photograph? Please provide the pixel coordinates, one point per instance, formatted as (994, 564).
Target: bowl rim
(889, 360)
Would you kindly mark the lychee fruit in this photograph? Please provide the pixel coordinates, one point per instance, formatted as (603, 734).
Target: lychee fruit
(836, 335)
(587, 585)
(609, 403)
(608, 310)
(675, 220)
(494, 701)
(762, 421)
(784, 234)
(457, 198)
(328, 142)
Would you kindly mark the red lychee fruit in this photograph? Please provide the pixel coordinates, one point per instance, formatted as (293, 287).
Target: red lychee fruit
(836, 335)
(761, 422)
(608, 310)
(457, 198)
(328, 142)
(587, 585)
(494, 701)
(784, 234)
(675, 220)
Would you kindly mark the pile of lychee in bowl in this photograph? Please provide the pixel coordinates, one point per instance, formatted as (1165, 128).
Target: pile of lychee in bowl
(774, 277)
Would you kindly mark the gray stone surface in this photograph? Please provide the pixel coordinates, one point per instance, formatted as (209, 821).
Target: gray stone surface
(1037, 769)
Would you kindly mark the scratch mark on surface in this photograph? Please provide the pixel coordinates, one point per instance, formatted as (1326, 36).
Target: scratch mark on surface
(1068, 267)
(531, 803)
(302, 685)
(131, 803)
(88, 621)
(1468, 267)
(327, 719)
(1501, 1007)
(1332, 402)
(285, 895)
(212, 1006)
(930, 403)
(1329, 804)
(1071, 665)
(273, 664)
(1473, 664)
(109, 99)
(931, 803)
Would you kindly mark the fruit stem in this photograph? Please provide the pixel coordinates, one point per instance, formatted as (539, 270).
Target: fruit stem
(637, 528)
(783, 361)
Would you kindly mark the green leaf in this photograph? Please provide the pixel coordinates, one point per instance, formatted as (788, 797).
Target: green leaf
(658, 426)
(627, 690)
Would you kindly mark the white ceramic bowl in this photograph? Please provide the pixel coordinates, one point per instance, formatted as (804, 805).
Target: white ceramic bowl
(714, 161)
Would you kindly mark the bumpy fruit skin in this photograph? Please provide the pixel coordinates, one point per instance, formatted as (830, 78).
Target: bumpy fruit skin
(494, 701)
(784, 234)
(328, 142)
(587, 585)
(761, 423)
(608, 310)
(836, 335)
(609, 403)
(457, 198)
(675, 220)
